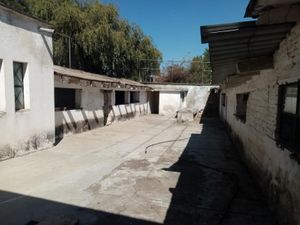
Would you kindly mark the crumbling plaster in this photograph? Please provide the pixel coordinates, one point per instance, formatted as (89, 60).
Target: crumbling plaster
(278, 174)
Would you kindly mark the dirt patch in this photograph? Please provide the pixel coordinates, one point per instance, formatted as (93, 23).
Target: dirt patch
(148, 184)
(136, 164)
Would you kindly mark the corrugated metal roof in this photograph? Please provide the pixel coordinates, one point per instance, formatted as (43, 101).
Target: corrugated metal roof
(93, 77)
(231, 43)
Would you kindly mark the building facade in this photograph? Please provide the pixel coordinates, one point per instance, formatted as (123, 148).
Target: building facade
(26, 84)
(168, 99)
(84, 101)
(258, 67)
(40, 102)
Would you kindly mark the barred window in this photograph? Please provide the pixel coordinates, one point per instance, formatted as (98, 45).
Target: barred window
(241, 106)
(288, 127)
(19, 73)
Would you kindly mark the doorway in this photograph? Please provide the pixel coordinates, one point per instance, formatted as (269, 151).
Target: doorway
(154, 102)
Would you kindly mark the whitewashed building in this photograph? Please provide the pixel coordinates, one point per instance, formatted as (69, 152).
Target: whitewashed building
(40, 102)
(169, 98)
(84, 101)
(26, 84)
(257, 64)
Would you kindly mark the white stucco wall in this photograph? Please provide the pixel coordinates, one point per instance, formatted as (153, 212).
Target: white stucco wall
(91, 114)
(131, 110)
(170, 100)
(278, 174)
(32, 128)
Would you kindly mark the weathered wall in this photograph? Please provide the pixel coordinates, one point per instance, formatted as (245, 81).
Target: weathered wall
(32, 128)
(88, 117)
(170, 100)
(278, 174)
(131, 110)
(91, 114)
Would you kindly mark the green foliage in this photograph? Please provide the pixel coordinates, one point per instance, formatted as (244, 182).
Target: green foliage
(15, 4)
(200, 68)
(197, 71)
(101, 41)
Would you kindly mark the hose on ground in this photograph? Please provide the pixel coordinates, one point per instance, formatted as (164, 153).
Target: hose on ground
(232, 177)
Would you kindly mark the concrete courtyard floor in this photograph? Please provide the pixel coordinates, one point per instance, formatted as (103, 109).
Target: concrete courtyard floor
(191, 174)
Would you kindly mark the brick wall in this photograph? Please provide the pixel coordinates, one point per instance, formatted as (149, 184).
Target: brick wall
(278, 174)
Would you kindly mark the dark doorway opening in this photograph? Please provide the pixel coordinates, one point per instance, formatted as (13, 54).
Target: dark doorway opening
(154, 102)
(67, 98)
(120, 98)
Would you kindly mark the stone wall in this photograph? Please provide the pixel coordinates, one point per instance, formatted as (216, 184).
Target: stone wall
(278, 174)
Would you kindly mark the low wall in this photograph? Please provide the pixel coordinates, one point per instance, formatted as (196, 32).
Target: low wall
(125, 112)
(94, 112)
(77, 121)
(173, 97)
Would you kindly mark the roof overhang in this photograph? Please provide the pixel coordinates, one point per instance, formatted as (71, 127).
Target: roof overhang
(242, 48)
(110, 82)
(256, 8)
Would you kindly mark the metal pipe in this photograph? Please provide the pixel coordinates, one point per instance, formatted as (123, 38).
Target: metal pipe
(44, 29)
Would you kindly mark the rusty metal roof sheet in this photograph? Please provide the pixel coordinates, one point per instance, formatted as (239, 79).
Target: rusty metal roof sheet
(231, 43)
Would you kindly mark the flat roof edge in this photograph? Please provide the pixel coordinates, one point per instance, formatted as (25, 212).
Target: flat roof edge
(27, 16)
(80, 74)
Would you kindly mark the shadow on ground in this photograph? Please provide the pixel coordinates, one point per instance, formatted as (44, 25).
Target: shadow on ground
(213, 188)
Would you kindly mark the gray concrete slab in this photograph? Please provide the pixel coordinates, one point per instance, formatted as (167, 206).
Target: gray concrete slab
(191, 174)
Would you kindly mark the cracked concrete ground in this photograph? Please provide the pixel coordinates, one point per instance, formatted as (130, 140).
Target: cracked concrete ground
(191, 174)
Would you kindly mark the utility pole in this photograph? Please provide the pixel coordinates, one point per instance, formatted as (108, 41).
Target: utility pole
(69, 45)
(70, 53)
(172, 62)
(139, 63)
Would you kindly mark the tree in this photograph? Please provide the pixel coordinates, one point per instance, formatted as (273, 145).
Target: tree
(176, 74)
(101, 42)
(200, 68)
(197, 71)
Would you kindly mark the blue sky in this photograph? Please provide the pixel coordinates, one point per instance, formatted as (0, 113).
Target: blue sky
(174, 25)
